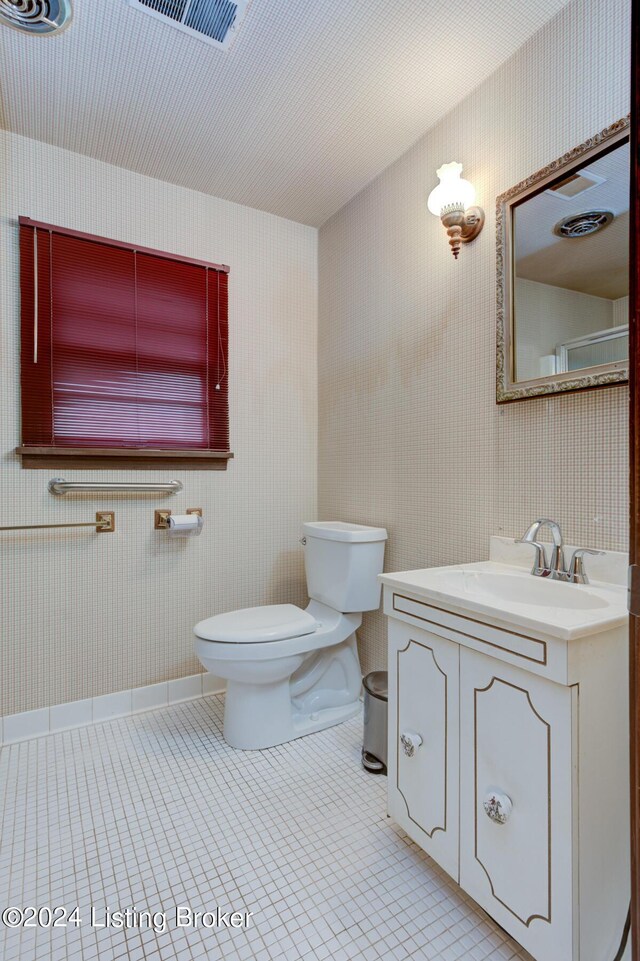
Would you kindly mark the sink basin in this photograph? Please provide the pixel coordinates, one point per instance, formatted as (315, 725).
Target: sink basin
(518, 589)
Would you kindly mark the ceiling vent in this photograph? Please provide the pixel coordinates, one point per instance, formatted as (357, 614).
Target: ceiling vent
(575, 184)
(580, 225)
(214, 21)
(40, 17)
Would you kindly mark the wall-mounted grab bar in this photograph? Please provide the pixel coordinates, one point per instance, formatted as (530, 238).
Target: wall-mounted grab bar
(58, 485)
(105, 523)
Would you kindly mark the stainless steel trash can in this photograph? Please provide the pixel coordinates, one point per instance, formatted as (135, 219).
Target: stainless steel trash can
(374, 749)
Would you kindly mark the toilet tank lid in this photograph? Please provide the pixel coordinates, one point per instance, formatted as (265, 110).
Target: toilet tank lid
(339, 531)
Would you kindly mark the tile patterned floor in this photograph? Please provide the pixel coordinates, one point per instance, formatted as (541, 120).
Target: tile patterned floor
(155, 811)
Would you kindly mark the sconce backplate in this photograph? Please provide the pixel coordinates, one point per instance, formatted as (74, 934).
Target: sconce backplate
(473, 224)
(463, 227)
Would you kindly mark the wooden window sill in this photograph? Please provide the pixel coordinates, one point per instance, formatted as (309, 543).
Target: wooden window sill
(107, 458)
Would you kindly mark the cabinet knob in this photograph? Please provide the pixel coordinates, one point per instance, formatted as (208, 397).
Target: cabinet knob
(498, 806)
(410, 742)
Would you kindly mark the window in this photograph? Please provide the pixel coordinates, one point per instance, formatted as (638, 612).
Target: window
(124, 354)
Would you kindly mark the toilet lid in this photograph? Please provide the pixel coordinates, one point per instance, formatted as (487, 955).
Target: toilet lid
(256, 624)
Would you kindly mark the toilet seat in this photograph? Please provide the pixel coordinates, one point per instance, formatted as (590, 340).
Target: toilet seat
(257, 625)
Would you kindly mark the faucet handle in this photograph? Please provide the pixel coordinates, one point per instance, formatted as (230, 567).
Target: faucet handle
(540, 566)
(577, 573)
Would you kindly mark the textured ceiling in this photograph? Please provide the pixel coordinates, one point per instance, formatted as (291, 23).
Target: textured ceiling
(312, 101)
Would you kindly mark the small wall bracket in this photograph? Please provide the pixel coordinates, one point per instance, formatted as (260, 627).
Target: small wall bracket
(105, 522)
(161, 520)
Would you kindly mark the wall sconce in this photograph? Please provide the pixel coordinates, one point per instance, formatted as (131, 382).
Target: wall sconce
(452, 201)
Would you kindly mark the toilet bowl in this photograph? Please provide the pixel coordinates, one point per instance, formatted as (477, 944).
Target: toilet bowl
(290, 671)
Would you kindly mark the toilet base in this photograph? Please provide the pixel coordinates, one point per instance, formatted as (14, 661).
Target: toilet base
(279, 727)
(305, 693)
(321, 720)
(257, 716)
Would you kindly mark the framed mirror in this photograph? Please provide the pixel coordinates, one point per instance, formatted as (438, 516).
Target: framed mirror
(562, 244)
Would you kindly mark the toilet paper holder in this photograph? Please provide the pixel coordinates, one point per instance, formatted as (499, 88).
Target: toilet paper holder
(161, 518)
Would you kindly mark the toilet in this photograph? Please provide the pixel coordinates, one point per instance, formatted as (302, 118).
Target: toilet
(289, 671)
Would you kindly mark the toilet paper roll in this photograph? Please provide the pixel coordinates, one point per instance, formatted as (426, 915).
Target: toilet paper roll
(185, 525)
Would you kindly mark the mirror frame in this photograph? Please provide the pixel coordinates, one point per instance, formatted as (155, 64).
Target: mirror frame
(604, 375)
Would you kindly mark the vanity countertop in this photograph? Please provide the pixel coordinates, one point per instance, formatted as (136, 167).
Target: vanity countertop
(510, 594)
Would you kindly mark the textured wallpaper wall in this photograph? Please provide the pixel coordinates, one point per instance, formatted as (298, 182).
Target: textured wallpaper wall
(82, 614)
(409, 433)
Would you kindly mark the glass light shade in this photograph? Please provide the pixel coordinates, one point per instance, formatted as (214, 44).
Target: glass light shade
(452, 193)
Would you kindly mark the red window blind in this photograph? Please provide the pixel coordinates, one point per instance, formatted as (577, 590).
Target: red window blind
(122, 348)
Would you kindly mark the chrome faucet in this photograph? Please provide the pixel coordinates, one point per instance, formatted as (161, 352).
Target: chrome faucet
(556, 567)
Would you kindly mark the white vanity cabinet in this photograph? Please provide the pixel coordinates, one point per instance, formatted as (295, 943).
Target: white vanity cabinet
(508, 765)
(517, 735)
(423, 790)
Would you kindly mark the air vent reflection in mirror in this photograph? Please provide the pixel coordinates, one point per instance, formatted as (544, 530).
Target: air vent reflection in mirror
(580, 225)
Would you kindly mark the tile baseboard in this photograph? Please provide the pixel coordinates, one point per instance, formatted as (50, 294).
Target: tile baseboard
(94, 710)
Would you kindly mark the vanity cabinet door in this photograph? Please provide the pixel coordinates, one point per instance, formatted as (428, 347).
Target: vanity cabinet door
(424, 740)
(517, 782)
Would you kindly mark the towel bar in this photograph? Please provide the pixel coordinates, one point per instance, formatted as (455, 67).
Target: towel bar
(105, 523)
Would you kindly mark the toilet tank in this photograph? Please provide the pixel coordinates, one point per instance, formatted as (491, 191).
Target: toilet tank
(342, 563)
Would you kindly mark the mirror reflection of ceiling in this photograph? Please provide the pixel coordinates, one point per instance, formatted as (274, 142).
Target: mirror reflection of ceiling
(595, 264)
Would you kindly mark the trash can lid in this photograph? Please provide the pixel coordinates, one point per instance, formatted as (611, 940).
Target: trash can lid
(377, 684)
